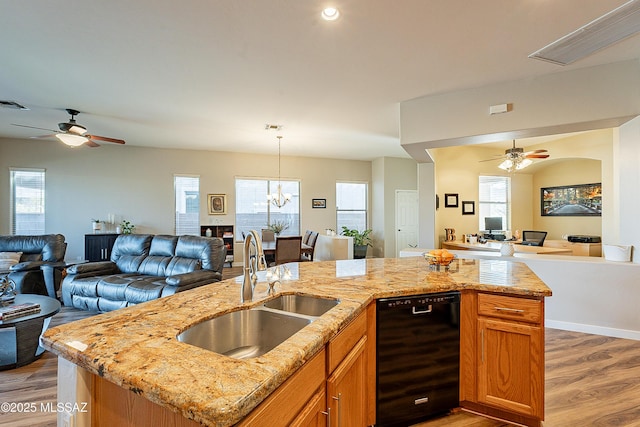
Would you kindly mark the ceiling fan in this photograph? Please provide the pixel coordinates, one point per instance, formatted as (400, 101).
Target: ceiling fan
(74, 134)
(515, 158)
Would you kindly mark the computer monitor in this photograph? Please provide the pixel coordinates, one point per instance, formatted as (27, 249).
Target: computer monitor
(493, 223)
(533, 238)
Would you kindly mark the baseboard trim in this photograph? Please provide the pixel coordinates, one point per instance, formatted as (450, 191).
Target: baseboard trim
(593, 329)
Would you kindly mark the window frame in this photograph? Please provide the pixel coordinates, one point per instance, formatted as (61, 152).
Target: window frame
(365, 210)
(185, 230)
(13, 223)
(271, 186)
(482, 204)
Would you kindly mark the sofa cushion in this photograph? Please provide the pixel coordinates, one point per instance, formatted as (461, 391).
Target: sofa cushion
(210, 251)
(46, 247)
(9, 259)
(163, 245)
(129, 250)
(154, 265)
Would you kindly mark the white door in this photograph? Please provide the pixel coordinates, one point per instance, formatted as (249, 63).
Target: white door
(406, 220)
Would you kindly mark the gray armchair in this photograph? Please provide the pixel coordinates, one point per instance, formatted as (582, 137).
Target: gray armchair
(36, 253)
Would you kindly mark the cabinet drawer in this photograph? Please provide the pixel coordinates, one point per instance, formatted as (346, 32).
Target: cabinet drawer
(341, 344)
(522, 309)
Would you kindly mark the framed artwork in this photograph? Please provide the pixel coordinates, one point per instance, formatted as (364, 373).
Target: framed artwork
(318, 203)
(217, 204)
(468, 207)
(571, 200)
(450, 200)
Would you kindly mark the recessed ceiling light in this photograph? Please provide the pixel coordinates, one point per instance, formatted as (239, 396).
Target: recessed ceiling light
(330, 13)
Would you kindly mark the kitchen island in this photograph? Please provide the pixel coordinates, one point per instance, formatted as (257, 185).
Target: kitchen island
(136, 348)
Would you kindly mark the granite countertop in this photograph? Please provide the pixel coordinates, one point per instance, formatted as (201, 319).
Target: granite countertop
(137, 348)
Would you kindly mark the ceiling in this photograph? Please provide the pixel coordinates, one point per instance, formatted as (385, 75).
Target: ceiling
(209, 75)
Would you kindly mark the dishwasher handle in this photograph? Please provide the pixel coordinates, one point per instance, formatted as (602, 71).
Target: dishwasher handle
(420, 310)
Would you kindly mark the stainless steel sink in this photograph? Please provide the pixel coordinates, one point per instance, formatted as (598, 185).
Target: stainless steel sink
(302, 304)
(244, 334)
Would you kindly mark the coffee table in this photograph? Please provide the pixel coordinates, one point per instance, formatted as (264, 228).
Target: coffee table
(20, 336)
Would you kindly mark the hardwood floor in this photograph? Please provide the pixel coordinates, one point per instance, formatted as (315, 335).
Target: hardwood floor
(591, 380)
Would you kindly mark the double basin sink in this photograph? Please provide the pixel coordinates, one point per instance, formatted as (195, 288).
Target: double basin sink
(253, 332)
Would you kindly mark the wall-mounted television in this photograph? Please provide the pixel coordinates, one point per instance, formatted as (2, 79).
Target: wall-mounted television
(493, 223)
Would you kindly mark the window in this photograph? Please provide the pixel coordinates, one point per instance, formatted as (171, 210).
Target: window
(495, 200)
(351, 205)
(187, 194)
(27, 201)
(254, 212)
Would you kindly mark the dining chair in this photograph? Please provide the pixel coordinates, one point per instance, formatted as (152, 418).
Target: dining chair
(305, 239)
(308, 256)
(288, 249)
(268, 235)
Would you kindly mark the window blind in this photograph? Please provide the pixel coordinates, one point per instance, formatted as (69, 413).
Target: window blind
(27, 201)
(187, 203)
(494, 195)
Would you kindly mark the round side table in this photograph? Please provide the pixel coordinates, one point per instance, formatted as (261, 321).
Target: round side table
(20, 336)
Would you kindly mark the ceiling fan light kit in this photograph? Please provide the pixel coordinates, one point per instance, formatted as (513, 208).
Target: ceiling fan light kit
(71, 139)
(74, 134)
(515, 158)
(604, 31)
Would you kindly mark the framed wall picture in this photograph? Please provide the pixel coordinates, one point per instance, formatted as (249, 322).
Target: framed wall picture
(318, 203)
(468, 207)
(450, 200)
(571, 200)
(217, 204)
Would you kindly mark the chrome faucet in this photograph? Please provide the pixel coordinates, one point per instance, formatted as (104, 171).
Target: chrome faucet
(252, 264)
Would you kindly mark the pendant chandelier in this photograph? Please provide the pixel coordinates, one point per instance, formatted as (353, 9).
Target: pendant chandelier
(278, 198)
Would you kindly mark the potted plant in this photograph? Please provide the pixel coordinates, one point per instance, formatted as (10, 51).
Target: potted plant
(278, 227)
(360, 241)
(97, 225)
(126, 227)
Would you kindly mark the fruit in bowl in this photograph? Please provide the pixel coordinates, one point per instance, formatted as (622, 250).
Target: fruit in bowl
(439, 257)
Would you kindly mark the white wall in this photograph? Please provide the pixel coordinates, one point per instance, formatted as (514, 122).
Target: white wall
(389, 174)
(137, 184)
(628, 168)
(567, 101)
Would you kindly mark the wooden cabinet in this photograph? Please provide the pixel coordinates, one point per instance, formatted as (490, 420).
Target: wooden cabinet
(503, 364)
(97, 247)
(293, 398)
(345, 395)
(578, 249)
(225, 232)
(346, 389)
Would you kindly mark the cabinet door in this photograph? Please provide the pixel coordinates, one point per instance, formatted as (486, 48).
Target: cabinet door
(347, 389)
(314, 413)
(511, 366)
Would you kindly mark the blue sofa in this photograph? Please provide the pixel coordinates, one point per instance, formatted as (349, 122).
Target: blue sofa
(144, 267)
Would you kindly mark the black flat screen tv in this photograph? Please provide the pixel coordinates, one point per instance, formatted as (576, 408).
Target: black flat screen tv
(493, 223)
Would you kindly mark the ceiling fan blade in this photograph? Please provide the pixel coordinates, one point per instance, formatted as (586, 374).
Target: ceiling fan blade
(34, 127)
(42, 136)
(492, 160)
(91, 144)
(535, 152)
(105, 139)
(537, 156)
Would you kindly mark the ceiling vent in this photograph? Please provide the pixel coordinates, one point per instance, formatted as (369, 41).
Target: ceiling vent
(13, 105)
(608, 29)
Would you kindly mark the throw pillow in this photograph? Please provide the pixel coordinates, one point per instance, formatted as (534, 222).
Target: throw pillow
(7, 259)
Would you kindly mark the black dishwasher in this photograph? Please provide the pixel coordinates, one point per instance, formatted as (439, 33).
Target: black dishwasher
(418, 357)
